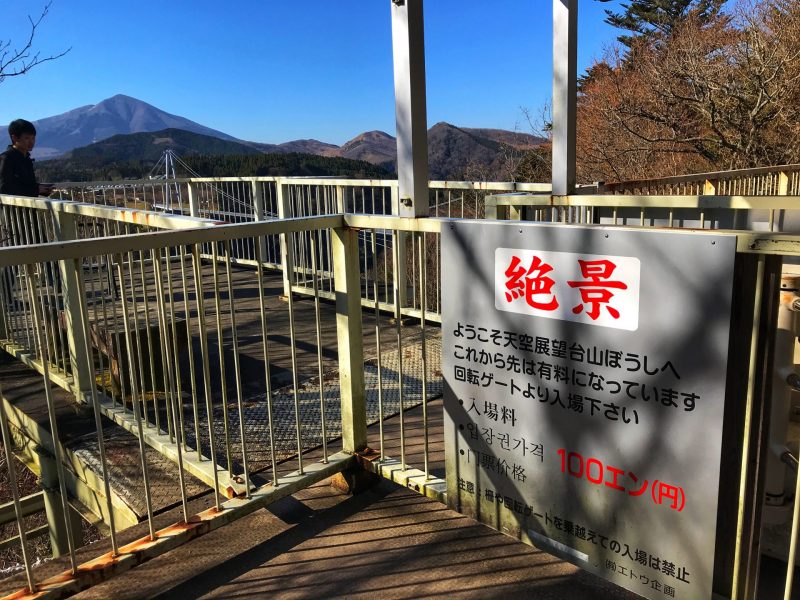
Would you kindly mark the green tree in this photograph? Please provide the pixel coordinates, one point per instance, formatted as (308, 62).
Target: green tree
(658, 18)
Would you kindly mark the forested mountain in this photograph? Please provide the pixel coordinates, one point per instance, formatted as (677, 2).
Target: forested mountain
(134, 156)
(288, 164)
(124, 137)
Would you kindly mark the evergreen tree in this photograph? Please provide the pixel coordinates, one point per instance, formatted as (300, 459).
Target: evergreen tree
(657, 18)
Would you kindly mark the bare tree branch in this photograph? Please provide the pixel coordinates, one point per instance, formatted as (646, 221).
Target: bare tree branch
(18, 61)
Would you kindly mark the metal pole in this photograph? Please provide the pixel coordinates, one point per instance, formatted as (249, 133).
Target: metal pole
(565, 78)
(12, 483)
(350, 339)
(740, 555)
(408, 49)
(66, 229)
(43, 343)
(284, 212)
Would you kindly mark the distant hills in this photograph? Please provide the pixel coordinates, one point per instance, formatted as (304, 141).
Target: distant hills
(134, 156)
(124, 129)
(150, 146)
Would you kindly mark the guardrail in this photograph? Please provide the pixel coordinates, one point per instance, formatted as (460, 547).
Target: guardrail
(764, 181)
(249, 199)
(197, 415)
(32, 221)
(162, 330)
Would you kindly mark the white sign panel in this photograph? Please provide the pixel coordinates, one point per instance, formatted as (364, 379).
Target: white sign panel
(585, 374)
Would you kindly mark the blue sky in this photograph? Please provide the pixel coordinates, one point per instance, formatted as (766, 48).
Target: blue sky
(276, 70)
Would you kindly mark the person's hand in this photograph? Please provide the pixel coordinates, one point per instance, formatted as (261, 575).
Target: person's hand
(45, 189)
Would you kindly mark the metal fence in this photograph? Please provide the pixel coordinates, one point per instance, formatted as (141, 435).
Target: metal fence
(765, 181)
(159, 327)
(249, 199)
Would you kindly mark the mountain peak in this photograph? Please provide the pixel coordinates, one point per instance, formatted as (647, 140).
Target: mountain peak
(119, 114)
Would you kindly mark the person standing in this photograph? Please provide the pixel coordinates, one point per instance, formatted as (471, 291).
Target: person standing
(16, 165)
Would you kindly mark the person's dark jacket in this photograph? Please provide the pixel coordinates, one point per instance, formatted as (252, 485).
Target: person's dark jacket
(16, 174)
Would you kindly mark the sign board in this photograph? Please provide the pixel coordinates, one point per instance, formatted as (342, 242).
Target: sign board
(585, 385)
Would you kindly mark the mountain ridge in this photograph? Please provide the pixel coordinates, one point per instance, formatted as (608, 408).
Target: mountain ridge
(119, 114)
(454, 152)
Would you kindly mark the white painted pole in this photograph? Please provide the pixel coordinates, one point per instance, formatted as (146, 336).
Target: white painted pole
(408, 43)
(565, 80)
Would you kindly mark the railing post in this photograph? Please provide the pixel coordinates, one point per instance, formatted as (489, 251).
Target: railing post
(259, 214)
(710, 187)
(194, 200)
(401, 239)
(783, 183)
(341, 204)
(71, 289)
(284, 212)
(347, 284)
(56, 519)
(408, 51)
(565, 81)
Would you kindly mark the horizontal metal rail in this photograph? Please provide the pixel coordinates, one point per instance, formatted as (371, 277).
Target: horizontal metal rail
(151, 282)
(696, 178)
(29, 505)
(145, 218)
(34, 533)
(647, 201)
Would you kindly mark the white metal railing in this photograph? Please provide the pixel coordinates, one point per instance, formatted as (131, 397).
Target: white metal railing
(198, 415)
(763, 181)
(164, 323)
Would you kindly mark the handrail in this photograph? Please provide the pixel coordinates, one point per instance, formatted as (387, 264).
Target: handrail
(75, 249)
(644, 201)
(134, 216)
(698, 177)
(433, 184)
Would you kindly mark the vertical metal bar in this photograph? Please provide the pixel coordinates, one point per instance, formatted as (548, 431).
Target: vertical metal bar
(424, 353)
(408, 45)
(378, 348)
(170, 372)
(295, 381)
(140, 357)
(222, 371)
(192, 374)
(136, 398)
(116, 328)
(565, 72)
(748, 423)
(167, 370)
(38, 310)
(179, 424)
(150, 349)
(319, 348)
(264, 337)
(399, 324)
(350, 339)
(98, 423)
(201, 317)
(12, 482)
(237, 369)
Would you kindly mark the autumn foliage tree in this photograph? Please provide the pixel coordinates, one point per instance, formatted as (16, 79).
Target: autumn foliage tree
(716, 90)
